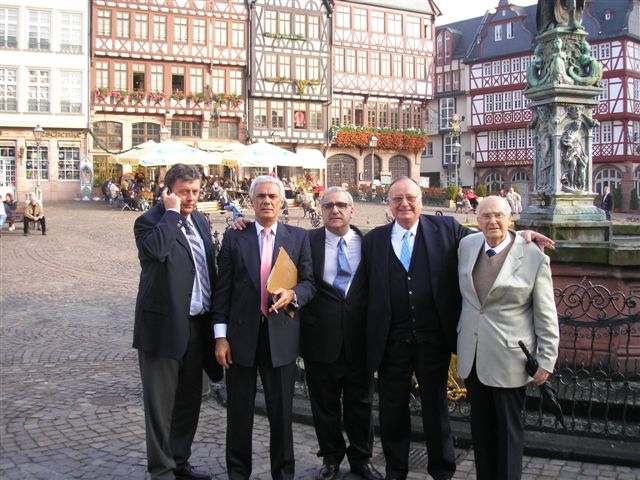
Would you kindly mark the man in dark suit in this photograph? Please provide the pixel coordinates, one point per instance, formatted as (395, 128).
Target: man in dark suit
(332, 342)
(173, 323)
(254, 331)
(607, 202)
(413, 308)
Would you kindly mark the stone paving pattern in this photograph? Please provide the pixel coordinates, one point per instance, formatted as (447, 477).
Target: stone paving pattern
(70, 395)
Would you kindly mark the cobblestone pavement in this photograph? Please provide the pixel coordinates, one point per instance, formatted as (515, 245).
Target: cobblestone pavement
(70, 396)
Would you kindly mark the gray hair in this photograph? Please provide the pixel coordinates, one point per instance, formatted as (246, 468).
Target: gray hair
(265, 179)
(181, 171)
(338, 190)
(502, 202)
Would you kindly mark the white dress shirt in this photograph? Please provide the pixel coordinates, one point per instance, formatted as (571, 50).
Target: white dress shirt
(397, 232)
(353, 244)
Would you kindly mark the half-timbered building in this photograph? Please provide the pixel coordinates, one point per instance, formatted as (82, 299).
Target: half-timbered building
(382, 79)
(44, 73)
(290, 74)
(492, 54)
(170, 67)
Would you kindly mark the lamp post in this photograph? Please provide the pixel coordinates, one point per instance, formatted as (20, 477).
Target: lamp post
(454, 134)
(373, 143)
(38, 132)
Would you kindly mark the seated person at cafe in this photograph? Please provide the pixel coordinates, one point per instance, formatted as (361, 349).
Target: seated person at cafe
(128, 199)
(34, 212)
(228, 205)
(216, 191)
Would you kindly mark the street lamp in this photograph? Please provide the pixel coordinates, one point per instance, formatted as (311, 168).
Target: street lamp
(373, 143)
(38, 132)
(454, 135)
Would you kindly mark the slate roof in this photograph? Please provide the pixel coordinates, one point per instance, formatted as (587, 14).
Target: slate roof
(467, 32)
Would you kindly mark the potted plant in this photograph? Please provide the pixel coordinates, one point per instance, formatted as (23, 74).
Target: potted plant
(452, 192)
(177, 95)
(156, 97)
(481, 190)
(102, 93)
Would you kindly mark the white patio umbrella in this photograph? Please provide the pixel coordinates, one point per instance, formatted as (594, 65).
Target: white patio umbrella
(151, 154)
(260, 154)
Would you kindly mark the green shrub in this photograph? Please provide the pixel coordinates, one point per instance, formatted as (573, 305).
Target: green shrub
(617, 198)
(452, 191)
(481, 190)
(633, 202)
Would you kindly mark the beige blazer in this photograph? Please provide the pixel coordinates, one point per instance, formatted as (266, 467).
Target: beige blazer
(520, 306)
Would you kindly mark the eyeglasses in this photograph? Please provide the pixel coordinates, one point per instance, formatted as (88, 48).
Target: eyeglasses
(487, 217)
(408, 198)
(342, 206)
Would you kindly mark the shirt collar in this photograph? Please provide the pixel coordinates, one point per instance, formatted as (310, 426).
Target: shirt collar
(334, 239)
(504, 244)
(274, 228)
(398, 230)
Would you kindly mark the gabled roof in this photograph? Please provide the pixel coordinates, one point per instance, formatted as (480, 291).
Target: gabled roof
(419, 6)
(467, 32)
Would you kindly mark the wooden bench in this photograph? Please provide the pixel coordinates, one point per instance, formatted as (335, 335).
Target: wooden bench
(207, 208)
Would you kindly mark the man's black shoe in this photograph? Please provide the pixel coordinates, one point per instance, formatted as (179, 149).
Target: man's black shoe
(189, 473)
(368, 471)
(328, 471)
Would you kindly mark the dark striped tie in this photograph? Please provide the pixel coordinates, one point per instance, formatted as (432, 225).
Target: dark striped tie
(491, 252)
(201, 264)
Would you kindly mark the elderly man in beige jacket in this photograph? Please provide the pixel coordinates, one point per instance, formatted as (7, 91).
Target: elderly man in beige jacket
(507, 296)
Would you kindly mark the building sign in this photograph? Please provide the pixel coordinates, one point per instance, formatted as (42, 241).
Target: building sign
(299, 119)
(86, 179)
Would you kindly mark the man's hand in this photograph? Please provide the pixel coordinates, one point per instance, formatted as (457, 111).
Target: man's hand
(170, 200)
(239, 224)
(539, 239)
(540, 377)
(223, 352)
(281, 298)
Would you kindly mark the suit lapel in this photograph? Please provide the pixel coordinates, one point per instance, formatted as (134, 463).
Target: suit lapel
(318, 241)
(282, 240)
(511, 265)
(381, 256)
(249, 248)
(474, 250)
(431, 240)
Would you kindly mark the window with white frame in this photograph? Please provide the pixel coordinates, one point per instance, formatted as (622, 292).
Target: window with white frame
(271, 21)
(39, 90)
(397, 66)
(394, 24)
(607, 177)
(439, 87)
(385, 64)
(300, 65)
(421, 68)
(450, 156)
(377, 21)
(339, 59)
(144, 131)
(180, 29)
(69, 163)
(70, 32)
(502, 140)
(394, 116)
(335, 113)
(596, 135)
(120, 76)
(220, 33)
(429, 150)
(235, 82)
(238, 35)
(108, 134)
(447, 109)
(515, 65)
(350, 61)
(511, 139)
(313, 27)
(8, 89)
(530, 138)
(70, 92)
(494, 182)
(315, 117)
(300, 25)
(8, 27)
(447, 81)
(102, 75)
(498, 33)
(526, 61)
(122, 24)
(360, 19)
(413, 27)
(343, 17)
(196, 80)
(37, 164)
(284, 23)
(260, 114)
(141, 26)
(517, 100)
(313, 69)
(383, 115)
(606, 132)
(605, 50)
(506, 66)
(277, 115)
(488, 102)
(347, 112)
(406, 116)
(497, 102)
(271, 66)
(519, 177)
(284, 66)
(104, 23)
(604, 95)
(199, 31)
(506, 97)
(363, 62)
(138, 77)
(522, 138)
(157, 78)
(486, 69)
(493, 140)
(495, 68)
(417, 117)
(510, 30)
(636, 89)
(409, 67)
(159, 28)
(39, 30)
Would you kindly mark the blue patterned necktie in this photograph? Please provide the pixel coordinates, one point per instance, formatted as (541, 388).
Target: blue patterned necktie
(344, 269)
(491, 252)
(201, 264)
(405, 251)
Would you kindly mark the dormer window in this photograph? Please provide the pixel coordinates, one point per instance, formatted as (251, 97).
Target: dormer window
(498, 33)
(607, 14)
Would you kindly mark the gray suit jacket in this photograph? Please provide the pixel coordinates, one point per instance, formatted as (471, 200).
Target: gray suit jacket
(520, 306)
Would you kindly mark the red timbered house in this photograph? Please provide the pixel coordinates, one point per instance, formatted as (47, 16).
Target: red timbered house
(290, 80)
(493, 54)
(382, 80)
(175, 67)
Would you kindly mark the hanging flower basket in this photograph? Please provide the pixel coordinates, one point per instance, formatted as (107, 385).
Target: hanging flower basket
(401, 140)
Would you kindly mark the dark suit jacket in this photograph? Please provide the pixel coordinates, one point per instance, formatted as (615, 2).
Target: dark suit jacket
(607, 202)
(331, 322)
(236, 301)
(166, 281)
(441, 236)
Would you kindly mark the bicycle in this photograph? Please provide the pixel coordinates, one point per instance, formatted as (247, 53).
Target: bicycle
(315, 218)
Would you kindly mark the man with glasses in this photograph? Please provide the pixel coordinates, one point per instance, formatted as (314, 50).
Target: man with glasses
(413, 309)
(332, 342)
(507, 296)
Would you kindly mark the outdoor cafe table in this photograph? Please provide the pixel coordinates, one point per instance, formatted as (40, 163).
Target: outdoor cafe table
(241, 197)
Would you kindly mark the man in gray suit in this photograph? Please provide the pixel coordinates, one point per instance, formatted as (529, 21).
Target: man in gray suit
(256, 331)
(507, 296)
